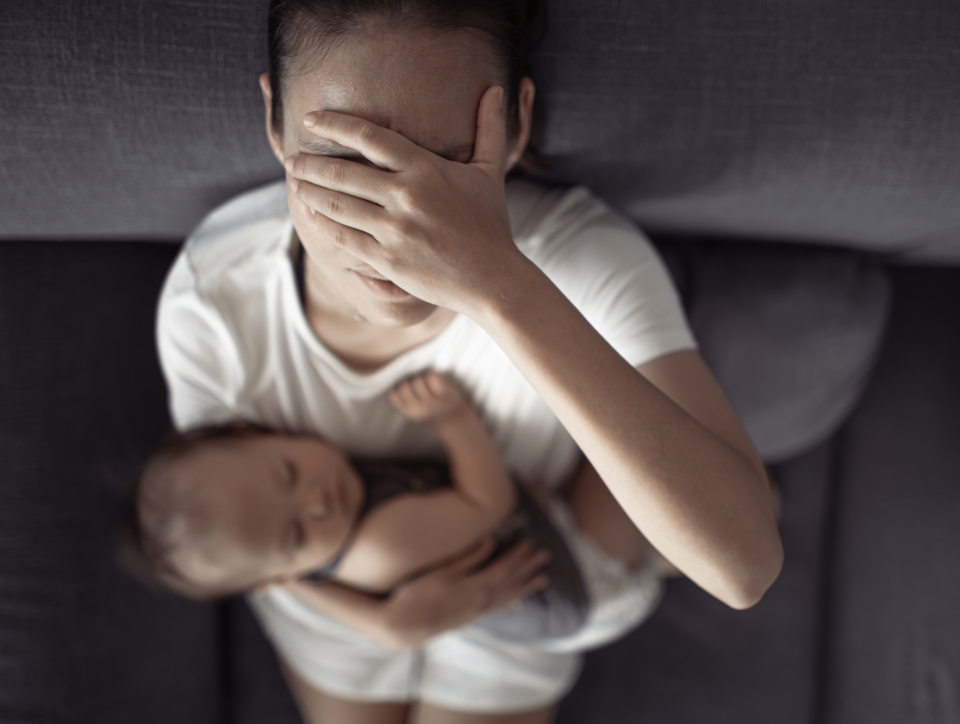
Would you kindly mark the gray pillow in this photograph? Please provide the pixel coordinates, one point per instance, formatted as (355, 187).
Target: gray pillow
(791, 335)
(824, 122)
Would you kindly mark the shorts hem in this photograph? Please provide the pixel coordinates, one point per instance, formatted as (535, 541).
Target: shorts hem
(493, 708)
(364, 696)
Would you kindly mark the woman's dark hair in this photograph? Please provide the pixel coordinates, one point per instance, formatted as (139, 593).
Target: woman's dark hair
(146, 550)
(513, 28)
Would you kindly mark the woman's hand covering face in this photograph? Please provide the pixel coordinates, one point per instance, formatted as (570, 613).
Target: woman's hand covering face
(436, 228)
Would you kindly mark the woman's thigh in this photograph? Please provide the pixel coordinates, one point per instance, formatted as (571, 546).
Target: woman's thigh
(318, 707)
(431, 714)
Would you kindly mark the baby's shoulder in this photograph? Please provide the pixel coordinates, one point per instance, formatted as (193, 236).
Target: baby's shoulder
(392, 541)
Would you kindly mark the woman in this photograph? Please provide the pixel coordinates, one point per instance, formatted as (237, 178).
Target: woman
(397, 123)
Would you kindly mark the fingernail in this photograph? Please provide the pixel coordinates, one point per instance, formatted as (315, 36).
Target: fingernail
(310, 120)
(288, 164)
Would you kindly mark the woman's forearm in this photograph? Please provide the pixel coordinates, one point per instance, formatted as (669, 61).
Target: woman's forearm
(702, 503)
(446, 597)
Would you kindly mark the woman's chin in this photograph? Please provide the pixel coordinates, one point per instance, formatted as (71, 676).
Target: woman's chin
(405, 312)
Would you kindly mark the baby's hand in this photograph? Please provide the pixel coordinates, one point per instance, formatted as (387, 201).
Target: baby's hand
(428, 397)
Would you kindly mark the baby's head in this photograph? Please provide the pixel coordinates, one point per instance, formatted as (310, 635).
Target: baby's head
(222, 510)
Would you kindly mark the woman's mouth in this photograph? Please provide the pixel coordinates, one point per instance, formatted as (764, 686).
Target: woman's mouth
(382, 287)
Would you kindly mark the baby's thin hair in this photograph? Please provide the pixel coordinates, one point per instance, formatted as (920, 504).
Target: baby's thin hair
(146, 549)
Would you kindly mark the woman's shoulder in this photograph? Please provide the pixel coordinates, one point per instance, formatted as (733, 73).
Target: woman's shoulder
(574, 236)
(255, 223)
(546, 219)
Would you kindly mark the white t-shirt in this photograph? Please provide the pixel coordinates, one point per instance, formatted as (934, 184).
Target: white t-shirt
(235, 343)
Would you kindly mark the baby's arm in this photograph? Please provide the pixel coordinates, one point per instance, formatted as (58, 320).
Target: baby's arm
(478, 472)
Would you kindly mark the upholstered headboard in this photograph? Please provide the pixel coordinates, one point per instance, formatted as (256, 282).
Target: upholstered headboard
(834, 122)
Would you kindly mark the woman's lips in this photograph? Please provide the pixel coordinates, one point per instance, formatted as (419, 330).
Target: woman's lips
(382, 287)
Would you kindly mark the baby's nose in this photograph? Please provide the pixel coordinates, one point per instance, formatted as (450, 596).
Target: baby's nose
(318, 504)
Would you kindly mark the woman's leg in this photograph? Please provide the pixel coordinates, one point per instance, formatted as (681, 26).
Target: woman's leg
(318, 707)
(430, 714)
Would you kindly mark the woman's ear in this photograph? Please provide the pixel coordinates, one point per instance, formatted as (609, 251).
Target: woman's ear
(276, 142)
(518, 143)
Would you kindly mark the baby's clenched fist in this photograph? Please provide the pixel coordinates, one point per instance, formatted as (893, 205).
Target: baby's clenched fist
(428, 397)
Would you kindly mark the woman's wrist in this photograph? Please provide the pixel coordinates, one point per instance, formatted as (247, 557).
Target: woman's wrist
(512, 289)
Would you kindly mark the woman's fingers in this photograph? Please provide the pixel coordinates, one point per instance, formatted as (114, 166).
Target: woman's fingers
(511, 577)
(471, 560)
(529, 561)
(343, 208)
(339, 174)
(385, 148)
(443, 231)
(490, 149)
(358, 243)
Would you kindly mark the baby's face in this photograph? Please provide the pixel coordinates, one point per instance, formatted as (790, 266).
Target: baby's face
(277, 506)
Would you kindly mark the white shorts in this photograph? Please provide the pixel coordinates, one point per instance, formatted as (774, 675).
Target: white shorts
(464, 669)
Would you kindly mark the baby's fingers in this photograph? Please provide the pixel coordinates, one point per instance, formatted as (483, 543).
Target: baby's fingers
(402, 397)
(419, 386)
(440, 385)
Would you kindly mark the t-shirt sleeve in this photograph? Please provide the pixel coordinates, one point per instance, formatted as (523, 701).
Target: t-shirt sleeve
(198, 355)
(614, 275)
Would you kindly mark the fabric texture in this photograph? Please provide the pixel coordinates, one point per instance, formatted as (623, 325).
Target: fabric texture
(131, 119)
(81, 404)
(792, 336)
(622, 597)
(816, 121)
(894, 634)
(821, 121)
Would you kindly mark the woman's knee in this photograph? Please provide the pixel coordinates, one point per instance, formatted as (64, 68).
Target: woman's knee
(430, 714)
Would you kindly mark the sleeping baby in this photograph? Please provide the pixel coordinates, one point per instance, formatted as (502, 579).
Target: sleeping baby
(235, 508)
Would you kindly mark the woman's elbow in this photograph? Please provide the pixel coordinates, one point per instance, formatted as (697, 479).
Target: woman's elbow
(752, 587)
